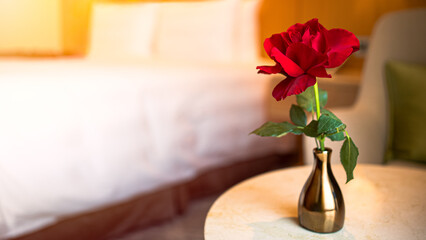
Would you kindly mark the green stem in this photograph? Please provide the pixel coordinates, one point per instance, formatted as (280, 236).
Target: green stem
(315, 139)
(317, 101)
(347, 134)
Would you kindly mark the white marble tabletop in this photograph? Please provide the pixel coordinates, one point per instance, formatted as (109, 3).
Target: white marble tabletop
(382, 202)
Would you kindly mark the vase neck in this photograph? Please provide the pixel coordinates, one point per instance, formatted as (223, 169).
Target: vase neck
(322, 158)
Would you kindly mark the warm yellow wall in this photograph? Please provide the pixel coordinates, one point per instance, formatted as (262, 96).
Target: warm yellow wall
(50, 27)
(44, 27)
(357, 16)
(30, 26)
(76, 21)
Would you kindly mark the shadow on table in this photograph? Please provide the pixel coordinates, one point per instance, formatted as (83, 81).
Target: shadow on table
(289, 228)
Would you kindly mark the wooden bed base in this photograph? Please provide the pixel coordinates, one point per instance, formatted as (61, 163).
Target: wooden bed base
(161, 205)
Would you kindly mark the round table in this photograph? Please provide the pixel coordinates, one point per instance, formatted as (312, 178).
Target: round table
(382, 202)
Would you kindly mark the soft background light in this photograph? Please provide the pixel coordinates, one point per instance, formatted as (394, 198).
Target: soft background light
(30, 26)
(60, 27)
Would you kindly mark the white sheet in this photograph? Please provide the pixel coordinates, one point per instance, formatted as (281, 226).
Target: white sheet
(76, 135)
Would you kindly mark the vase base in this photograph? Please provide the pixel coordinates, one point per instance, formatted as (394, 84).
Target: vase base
(321, 229)
(320, 222)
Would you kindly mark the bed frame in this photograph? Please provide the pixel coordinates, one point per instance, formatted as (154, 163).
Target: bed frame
(163, 204)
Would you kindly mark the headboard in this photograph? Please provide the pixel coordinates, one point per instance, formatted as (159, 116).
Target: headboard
(214, 30)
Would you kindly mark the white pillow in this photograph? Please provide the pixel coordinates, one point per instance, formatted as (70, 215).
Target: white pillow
(196, 31)
(247, 42)
(122, 29)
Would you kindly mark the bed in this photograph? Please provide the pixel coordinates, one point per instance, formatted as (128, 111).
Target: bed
(92, 147)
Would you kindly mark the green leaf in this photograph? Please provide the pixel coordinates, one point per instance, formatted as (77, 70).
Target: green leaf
(297, 130)
(306, 99)
(272, 129)
(298, 116)
(348, 156)
(328, 125)
(312, 129)
(337, 136)
(329, 113)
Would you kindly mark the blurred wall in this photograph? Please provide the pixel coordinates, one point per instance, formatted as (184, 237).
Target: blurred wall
(44, 27)
(60, 27)
(75, 25)
(30, 27)
(357, 16)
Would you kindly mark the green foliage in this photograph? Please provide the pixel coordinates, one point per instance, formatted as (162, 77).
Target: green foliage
(348, 157)
(297, 131)
(306, 99)
(272, 129)
(298, 116)
(337, 137)
(329, 113)
(312, 129)
(328, 125)
(338, 134)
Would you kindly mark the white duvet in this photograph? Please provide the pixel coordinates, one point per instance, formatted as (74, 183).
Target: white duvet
(77, 135)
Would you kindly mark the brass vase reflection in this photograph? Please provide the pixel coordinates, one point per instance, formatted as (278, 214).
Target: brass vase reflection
(321, 206)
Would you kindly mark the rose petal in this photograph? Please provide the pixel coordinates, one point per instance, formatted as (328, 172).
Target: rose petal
(286, 38)
(298, 27)
(313, 25)
(319, 42)
(275, 41)
(341, 39)
(291, 86)
(341, 44)
(290, 67)
(306, 38)
(337, 58)
(295, 37)
(269, 69)
(305, 57)
(319, 72)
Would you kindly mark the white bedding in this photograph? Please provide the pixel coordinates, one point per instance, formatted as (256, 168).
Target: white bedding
(76, 135)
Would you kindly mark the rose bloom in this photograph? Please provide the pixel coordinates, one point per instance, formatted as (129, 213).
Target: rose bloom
(303, 52)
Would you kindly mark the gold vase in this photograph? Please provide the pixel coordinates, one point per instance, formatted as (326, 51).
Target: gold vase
(321, 207)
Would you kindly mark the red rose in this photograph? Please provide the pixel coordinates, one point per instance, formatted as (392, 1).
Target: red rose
(303, 52)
